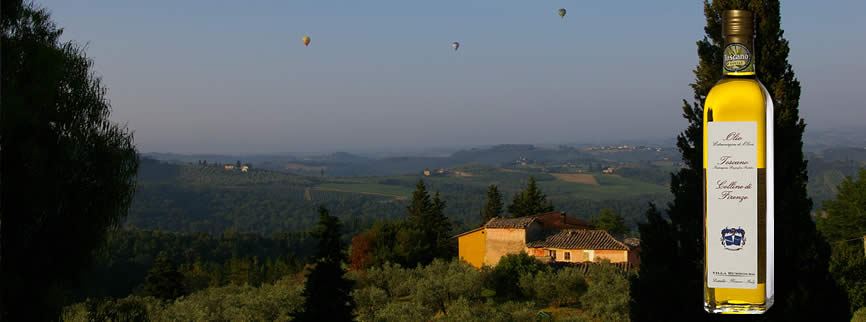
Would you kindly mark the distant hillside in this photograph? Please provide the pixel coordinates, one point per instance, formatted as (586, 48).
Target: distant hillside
(817, 140)
(210, 198)
(281, 192)
(342, 164)
(844, 154)
(826, 172)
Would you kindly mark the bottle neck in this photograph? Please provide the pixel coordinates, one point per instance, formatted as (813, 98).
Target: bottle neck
(738, 58)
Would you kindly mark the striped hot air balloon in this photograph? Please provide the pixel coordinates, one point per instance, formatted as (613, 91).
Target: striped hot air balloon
(306, 41)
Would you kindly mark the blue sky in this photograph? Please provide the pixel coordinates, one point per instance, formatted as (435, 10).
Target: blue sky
(234, 77)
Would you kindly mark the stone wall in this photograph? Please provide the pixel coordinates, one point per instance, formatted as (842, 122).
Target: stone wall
(503, 241)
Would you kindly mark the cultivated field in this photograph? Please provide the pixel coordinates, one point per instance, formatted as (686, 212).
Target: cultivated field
(576, 178)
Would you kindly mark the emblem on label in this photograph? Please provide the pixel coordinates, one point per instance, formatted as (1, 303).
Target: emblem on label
(737, 58)
(733, 238)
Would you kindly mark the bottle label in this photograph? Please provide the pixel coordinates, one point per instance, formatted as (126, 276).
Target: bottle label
(732, 205)
(738, 58)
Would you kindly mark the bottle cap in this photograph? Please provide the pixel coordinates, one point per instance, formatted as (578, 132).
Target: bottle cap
(737, 23)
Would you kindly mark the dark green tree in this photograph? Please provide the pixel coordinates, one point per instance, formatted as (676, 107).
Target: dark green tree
(493, 206)
(163, 280)
(327, 291)
(846, 215)
(428, 228)
(844, 226)
(611, 222)
(530, 201)
(848, 267)
(238, 164)
(420, 204)
(658, 250)
(796, 297)
(505, 276)
(440, 228)
(68, 172)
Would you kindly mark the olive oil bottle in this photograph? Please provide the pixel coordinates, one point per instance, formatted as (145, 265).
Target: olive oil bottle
(738, 179)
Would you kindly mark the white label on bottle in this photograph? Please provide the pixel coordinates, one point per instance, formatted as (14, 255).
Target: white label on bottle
(732, 205)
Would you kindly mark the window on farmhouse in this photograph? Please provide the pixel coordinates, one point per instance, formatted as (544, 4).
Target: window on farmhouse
(567, 256)
(551, 253)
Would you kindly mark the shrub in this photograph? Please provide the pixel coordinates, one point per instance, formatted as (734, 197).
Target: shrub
(505, 277)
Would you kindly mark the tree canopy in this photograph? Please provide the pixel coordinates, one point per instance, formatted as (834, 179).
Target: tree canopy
(68, 171)
(610, 221)
(530, 201)
(493, 206)
(846, 215)
(844, 225)
(429, 228)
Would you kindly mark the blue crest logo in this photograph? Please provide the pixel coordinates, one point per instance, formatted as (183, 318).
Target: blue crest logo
(733, 238)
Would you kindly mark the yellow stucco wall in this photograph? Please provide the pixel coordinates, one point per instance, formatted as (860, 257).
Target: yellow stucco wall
(471, 247)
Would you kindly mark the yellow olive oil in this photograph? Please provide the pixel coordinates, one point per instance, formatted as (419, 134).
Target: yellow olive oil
(738, 180)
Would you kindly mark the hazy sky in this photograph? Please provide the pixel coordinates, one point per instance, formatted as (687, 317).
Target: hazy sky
(233, 76)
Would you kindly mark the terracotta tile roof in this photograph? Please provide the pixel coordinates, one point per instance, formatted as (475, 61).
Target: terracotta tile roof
(579, 239)
(520, 222)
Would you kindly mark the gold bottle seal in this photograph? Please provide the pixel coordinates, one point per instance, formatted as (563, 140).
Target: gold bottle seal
(739, 33)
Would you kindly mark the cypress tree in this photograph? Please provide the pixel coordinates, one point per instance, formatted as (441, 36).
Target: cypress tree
(530, 201)
(420, 204)
(493, 205)
(327, 291)
(803, 288)
(428, 227)
(440, 228)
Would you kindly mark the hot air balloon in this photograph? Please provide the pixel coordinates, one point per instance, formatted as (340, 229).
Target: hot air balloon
(561, 13)
(306, 41)
(455, 45)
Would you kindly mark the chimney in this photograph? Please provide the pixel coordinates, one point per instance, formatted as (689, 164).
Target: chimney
(563, 217)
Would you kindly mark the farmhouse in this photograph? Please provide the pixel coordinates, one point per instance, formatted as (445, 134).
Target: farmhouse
(549, 237)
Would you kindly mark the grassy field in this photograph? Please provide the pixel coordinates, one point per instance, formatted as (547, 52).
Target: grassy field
(576, 178)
